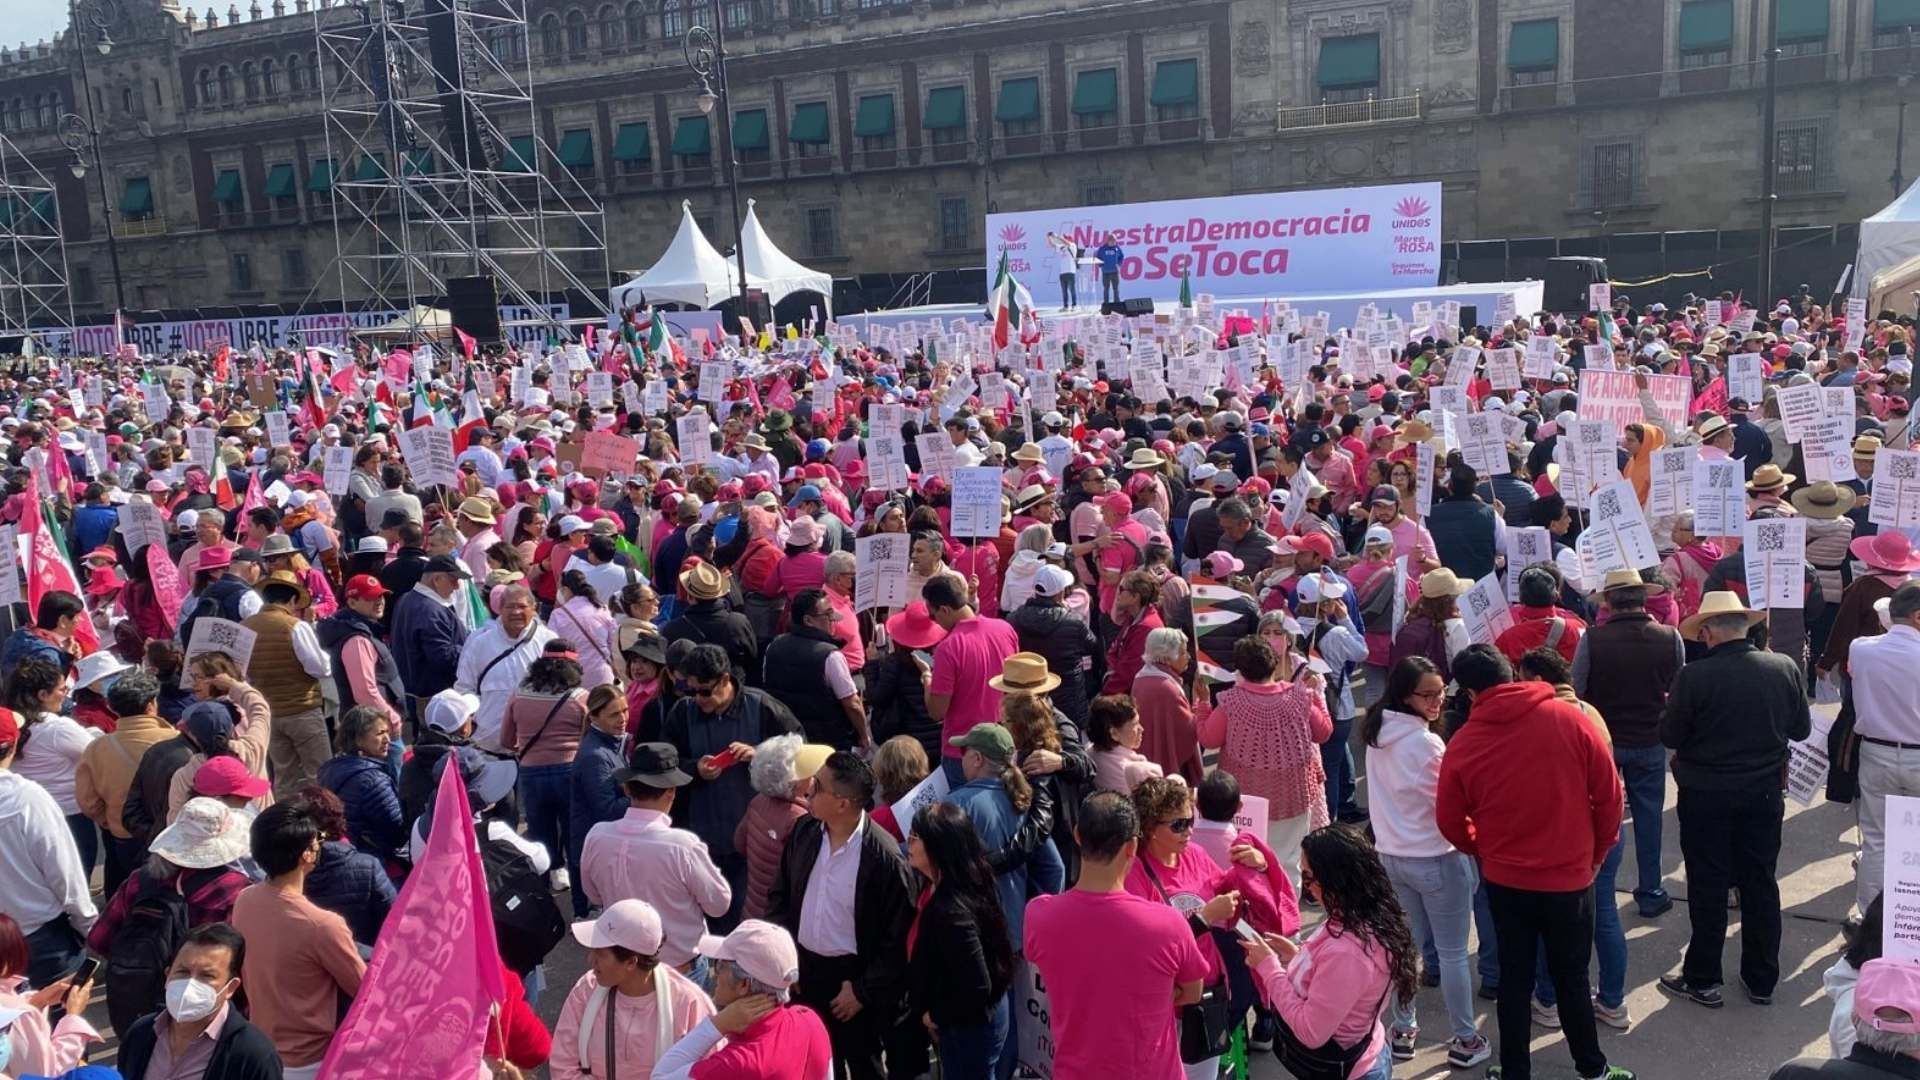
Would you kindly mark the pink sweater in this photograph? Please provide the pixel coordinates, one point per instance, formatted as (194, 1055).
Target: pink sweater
(1334, 989)
(1268, 735)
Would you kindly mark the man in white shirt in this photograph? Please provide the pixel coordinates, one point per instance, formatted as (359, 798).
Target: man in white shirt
(758, 457)
(1056, 449)
(45, 887)
(964, 452)
(1886, 702)
(495, 658)
(486, 463)
(599, 561)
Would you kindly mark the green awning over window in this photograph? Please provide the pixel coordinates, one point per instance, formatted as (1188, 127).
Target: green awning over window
(137, 196)
(1707, 24)
(320, 176)
(576, 148)
(809, 123)
(373, 167)
(946, 108)
(1096, 92)
(1019, 101)
(1534, 45)
(1176, 82)
(226, 188)
(692, 137)
(420, 163)
(633, 143)
(1801, 20)
(750, 129)
(1895, 14)
(1349, 61)
(874, 118)
(519, 156)
(280, 181)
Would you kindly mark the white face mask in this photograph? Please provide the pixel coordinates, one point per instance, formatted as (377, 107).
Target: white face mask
(189, 1000)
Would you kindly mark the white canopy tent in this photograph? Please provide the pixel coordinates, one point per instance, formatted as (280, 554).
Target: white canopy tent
(1887, 239)
(691, 271)
(774, 270)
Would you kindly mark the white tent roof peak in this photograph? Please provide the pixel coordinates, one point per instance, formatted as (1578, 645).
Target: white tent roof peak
(1887, 239)
(691, 271)
(774, 270)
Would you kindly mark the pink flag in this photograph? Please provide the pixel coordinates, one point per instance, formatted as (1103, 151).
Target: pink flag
(780, 395)
(168, 589)
(424, 1005)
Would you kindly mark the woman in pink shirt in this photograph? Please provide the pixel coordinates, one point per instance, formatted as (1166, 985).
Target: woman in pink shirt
(1268, 729)
(804, 567)
(1328, 991)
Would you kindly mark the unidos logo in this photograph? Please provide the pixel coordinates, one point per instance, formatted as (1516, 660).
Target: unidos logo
(1013, 237)
(1412, 213)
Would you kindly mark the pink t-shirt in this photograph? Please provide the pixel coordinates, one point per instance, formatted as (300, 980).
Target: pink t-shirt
(848, 631)
(962, 663)
(789, 1043)
(1195, 879)
(1122, 556)
(1112, 1007)
(807, 570)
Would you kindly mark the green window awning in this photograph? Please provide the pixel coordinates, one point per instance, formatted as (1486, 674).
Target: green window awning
(280, 181)
(809, 123)
(750, 129)
(1895, 14)
(1096, 92)
(1534, 45)
(1019, 101)
(373, 167)
(226, 188)
(1176, 82)
(420, 163)
(1349, 61)
(692, 137)
(946, 108)
(1707, 24)
(320, 176)
(576, 148)
(1801, 20)
(874, 118)
(137, 197)
(633, 143)
(519, 156)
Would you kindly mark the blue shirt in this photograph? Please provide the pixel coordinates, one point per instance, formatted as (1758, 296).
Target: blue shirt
(995, 819)
(1109, 256)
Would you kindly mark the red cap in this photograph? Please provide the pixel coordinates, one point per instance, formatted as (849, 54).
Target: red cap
(9, 728)
(223, 776)
(365, 587)
(1316, 542)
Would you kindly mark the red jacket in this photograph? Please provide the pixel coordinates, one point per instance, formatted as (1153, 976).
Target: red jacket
(526, 1039)
(1530, 787)
(1530, 626)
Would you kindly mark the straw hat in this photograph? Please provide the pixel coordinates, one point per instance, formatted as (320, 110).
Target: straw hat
(1715, 604)
(1030, 454)
(290, 580)
(704, 582)
(755, 441)
(1030, 496)
(1710, 427)
(1768, 477)
(1865, 447)
(1442, 582)
(1413, 433)
(1823, 501)
(477, 509)
(1145, 458)
(1024, 673)
(1622, 579)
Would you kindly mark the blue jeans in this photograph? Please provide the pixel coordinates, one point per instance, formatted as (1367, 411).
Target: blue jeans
(1436, 892)
(1643, 772)
(969, 1051)
(1609, 939)
(1382, 1067)
(1336, 757)
(546, 799)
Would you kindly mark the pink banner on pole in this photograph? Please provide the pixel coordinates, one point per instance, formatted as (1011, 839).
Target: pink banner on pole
(424, 1005)
(169, 591)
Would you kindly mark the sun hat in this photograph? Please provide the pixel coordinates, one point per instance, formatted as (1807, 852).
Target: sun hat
(1866, 446)
(1627, 578)
(477, 509)
(276, 546)
(991, 740)
(764, 951)
(1768, 477)
(95, 666)
(704, 582)
(287, 579)
(214, 559)
(449, 710)
(1710, 427)
(205, 834)
(103, 580)
(655, 764)
(1715, 604)
(1145, 458)
(804, 532)
(371, 545)
(913, 627)
(631, 924)
(1024, 673)
(1442, 582)
(1889, 551)
(1823, 501)
(1031, 496)
(222, 776)
(1029, 454)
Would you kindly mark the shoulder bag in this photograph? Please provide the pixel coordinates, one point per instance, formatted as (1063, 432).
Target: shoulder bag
(1206, 1026)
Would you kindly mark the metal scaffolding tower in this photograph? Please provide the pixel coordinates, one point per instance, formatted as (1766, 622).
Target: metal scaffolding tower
(35, 301)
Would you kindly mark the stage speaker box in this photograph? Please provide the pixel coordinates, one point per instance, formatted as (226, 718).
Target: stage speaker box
(1139, 305)
(474, 304)
(1567, 279)
(1469, 317)
(454, 66)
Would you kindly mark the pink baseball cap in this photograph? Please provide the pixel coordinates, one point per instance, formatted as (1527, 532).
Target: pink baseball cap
(631, 924)
(1119, 502)
(763, 950)
(223, 776)
(1888, 984)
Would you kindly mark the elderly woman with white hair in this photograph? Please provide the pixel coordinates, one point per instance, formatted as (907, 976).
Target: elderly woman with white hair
(1169, 725)
(1029, 555)
(781, 773)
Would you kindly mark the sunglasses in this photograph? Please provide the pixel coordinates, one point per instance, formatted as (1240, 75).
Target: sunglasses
(702, 691)
(1182, 825)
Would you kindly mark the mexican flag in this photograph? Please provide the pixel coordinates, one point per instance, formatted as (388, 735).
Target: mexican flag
(472, 416)
(656, 333)
(223, 485)
(1012, 305)
(50, 570)
(428, 411)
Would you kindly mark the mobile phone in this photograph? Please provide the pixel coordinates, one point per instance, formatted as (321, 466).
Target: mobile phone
(1247, 932)
(723, 760)
(85, 972)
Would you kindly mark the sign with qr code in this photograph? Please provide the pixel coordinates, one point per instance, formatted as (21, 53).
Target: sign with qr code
(211, 634)
(1776, 553)
(1484, 610)
(1672, 485)
(1895, 489)
(1620, 537)
(1719, 498)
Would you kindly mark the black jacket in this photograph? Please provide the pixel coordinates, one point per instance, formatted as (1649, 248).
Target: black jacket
(897, 700)
(796, 674)
(1730, 716)
(243, 1052)
(711, 622)
(711, 808)
(1046, 627)
(145, 811)
(951, 973)
(1750, 444)
(882, 908)
(1863, 1063)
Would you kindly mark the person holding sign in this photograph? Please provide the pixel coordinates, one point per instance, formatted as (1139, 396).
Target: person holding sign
(1887, 706)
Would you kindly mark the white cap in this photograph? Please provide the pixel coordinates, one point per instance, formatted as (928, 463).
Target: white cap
(1203, 472)
(764, 951)
(631, 924)
(296, 500)
(187, 519)
(1314, 588)
(1378, 534)
(571, 524)
(449, 710)
(1051, 581)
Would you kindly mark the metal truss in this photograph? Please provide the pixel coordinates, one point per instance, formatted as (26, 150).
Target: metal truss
(34, 294)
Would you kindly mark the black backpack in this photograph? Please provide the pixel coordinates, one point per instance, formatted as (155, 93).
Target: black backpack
(527, 921)
(144, 945)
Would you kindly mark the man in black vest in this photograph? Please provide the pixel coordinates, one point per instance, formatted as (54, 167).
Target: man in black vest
(225, 588)
(808, 673)
(363, 669)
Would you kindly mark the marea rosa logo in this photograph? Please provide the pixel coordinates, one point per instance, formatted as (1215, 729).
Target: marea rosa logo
(1411, 213)
(1012, 236)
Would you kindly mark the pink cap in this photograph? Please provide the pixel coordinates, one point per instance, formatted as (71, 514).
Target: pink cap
(223, 776)
(763, 950)
(1119, 502)
(631, 924)
(1888, 984)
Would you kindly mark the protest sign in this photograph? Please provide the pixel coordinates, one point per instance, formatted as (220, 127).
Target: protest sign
(933, 789)
(1719, 497)
(1423, 479)
(169, 587)
(1745, 377)
(1484, 609)
(713, 380)
(886, 461)
(213, 634)
(936, 455)
(429, 455)
(1896, 489)
(1525, 547)
(1827, 449)
(339, 470)
(1671, 486)
(1539, 359)
(1503, 369)
(1610, 396)
(1621, 539)
(1483, 444)
(880, 571)
(278, 433)
(1807, 764)
(140, 525)
(1900, 922)
(10, 591)
(695, 430)
(1776, 552)
(1591, 461)
(1599, 296)
(1800, 406)
(976, 501)
(201, 446)
(607, 454)
(1036, 1021)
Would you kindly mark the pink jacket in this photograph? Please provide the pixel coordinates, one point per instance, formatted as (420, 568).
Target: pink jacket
(40, 1049)
(1335, 989)
(762, 836)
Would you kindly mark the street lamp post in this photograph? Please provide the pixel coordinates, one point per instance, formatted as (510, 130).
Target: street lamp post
(1768, 145)
(1899, 177)
(82, 135)
(706, 53)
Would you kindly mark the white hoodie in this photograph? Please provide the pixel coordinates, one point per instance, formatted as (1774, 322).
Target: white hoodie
(1403, 775)
(44, 878)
